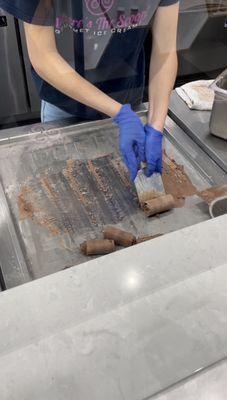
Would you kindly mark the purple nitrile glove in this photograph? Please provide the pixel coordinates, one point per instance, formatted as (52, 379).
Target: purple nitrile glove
(131, 139)
(153, 150)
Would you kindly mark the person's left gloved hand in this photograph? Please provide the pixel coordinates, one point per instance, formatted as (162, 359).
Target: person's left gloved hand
(153, 150)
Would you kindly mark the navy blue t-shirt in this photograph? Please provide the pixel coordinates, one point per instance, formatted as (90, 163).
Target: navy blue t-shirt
(102, 39)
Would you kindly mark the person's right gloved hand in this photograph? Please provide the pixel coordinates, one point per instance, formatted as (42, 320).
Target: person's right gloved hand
(131, 139)
(153, 150)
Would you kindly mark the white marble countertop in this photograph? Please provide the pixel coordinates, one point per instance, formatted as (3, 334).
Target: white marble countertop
(210, 384)
(121, 327)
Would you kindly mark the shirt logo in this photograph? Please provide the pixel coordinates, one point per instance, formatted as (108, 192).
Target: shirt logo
(99, 7)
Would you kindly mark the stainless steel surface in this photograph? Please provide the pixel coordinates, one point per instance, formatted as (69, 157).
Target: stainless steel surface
(218, 207)
(208, 168)
(192, 18)
(13, 96)
(12, 263)
(36, 159)
(202, 39)
(148, 187)
(34, 98)
(218, 121)
(196, 125)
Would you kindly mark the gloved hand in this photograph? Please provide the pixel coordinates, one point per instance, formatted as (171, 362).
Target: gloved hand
(153, 150)
(131, 139)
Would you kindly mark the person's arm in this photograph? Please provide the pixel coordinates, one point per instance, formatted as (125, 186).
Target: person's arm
(48, 63)
(163, 64)
(50, 66)
(163, 70)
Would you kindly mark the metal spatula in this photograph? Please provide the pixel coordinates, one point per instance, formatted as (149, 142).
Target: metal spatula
(149, 188)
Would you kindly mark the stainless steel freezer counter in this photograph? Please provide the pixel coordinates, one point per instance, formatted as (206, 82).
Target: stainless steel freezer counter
(60, 184)
(196, 124)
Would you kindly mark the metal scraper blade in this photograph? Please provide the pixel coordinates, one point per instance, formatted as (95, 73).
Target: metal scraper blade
(149, 188)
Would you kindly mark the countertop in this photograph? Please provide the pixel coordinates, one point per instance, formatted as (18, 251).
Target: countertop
(121, 327)
(210, 384)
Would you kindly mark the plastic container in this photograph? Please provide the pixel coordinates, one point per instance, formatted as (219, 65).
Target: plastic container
(218, 121)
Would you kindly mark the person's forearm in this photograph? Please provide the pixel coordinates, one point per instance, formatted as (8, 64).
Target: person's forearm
(56, 71)
(163, 70)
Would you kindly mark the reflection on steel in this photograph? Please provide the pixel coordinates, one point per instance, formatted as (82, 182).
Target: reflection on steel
(13, 266)
(196, 124)
(13, 96)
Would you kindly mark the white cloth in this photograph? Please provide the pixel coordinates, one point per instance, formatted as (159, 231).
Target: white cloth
(197, 95)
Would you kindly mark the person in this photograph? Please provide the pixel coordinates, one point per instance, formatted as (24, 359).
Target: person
(87, 60)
